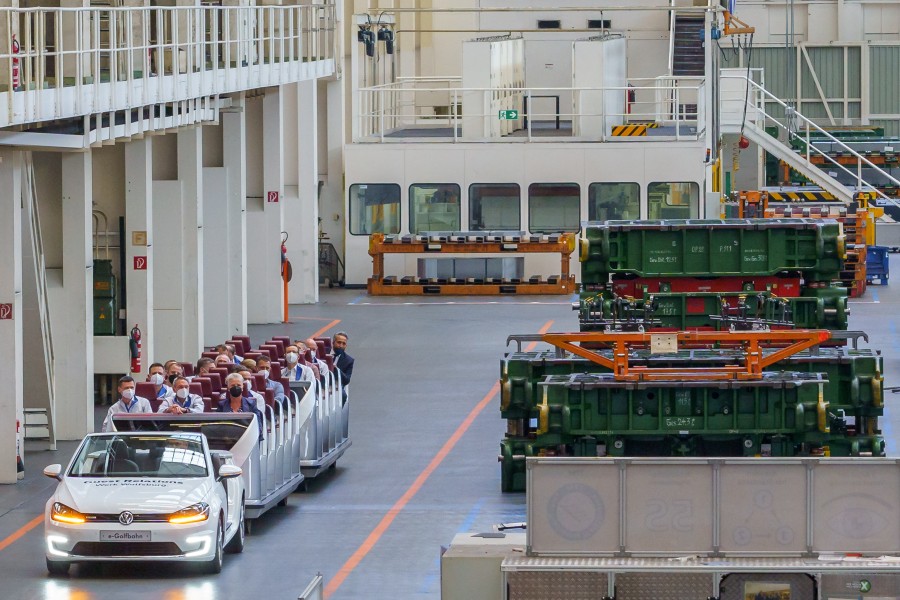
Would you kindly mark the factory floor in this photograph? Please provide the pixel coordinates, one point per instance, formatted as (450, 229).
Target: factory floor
(423, 465)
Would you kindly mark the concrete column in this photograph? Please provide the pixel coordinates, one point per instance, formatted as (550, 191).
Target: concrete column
(216, 297)
(190, 173)
(73, 305)
(168, 285)
(11, 320)
(234, 245)
(303, 224)
(333, 197)
(264, 219)
(139, 218)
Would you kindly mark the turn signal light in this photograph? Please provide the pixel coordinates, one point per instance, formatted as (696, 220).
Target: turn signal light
(191, 514)
(65, 514)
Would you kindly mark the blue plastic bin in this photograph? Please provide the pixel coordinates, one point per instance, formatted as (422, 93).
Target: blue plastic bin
(878, 266)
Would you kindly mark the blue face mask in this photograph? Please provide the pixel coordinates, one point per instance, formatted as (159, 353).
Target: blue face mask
(338, 351)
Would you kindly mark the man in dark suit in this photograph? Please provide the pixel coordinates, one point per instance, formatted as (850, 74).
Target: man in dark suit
(342, 360)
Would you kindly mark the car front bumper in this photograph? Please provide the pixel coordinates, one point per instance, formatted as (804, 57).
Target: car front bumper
(81, 543)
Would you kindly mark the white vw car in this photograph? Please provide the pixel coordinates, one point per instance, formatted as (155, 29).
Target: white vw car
(145, 496)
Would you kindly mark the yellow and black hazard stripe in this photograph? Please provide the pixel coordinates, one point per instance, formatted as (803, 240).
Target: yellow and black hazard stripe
(800, 197)
(629, 130)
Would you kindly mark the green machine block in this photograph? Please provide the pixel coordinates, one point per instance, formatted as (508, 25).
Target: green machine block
(104, 316)
(105, 298)
(712, 248)
(104, 280)
(818, 308)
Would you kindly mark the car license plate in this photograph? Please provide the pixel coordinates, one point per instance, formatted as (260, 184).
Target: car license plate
(124, 536)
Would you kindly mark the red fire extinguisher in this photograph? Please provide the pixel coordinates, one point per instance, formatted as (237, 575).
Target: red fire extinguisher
(135, 345)
(15, 62)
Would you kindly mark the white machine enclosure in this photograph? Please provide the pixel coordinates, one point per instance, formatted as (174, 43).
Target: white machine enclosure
(123, 514)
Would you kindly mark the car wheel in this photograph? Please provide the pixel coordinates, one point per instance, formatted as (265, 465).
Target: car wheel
(215, 565)
(236, 544)
(283, 501)
(58, 567)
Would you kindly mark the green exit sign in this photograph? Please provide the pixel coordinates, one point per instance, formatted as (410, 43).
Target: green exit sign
(509, 115)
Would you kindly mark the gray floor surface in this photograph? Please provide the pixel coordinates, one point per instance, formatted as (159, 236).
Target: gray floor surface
(422, 366)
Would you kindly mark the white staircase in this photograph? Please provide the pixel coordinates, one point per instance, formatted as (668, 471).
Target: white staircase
(40, 397)
(743, 111)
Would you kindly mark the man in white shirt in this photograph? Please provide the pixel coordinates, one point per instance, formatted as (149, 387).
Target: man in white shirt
(157, 376)
(294, 371)
(183, 401)
(127, 402)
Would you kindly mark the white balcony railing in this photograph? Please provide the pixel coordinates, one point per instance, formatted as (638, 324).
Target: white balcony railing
(68, 62)
(439, 110)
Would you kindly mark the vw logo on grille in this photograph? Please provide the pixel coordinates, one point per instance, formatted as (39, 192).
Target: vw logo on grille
(126, 518)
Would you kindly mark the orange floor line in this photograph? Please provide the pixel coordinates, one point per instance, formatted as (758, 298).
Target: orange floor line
(13, 537)
(413, 489)
(326, 328)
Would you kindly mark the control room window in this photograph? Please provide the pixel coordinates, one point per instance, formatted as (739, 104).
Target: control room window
(433, 207)
(614, 201)
(374, 208)
(673, 200)
(554, 207)
(494, 206)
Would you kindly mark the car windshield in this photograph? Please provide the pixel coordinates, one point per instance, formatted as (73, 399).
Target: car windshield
(178, 455)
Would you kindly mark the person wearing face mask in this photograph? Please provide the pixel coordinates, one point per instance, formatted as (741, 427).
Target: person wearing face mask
(247, 374)
(157, 376)
(184, 401)
(236, 401)
(263, 367)
(126, 403)
(313, 346)
(294, 371)
(342, 360)
(173, 370)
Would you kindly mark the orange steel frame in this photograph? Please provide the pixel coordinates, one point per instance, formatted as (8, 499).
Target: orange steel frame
(377, 249)
(752, 342)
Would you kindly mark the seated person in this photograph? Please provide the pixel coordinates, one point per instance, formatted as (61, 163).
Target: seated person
(223, 360)
(156, 376)
(263, 366)
(236, 400)
(183, 401)
(294, 370)
(127, 402)
(173, 370)
(247, 375)
(204, 366)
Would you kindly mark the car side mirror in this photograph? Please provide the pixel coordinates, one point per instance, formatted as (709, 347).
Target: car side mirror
(53, 471)
(229, 471)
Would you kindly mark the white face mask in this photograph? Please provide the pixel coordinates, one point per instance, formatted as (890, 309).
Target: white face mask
(182, 393)
(292, 357)
(248, 384)
(128, 394)
(156, 379)
(264, 373)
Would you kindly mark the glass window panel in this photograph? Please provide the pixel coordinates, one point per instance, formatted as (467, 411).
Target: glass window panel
(374, 208)
(614, 201)
(433, 207)
(494, 206)
(554, 207)
(673, 200)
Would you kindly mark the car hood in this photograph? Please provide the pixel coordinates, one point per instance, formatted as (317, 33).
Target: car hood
(101, 495)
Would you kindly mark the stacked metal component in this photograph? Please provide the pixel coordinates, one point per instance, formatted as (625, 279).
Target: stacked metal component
(699, 338)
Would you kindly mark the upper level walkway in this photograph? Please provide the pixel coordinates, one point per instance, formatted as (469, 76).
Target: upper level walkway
(64, 63)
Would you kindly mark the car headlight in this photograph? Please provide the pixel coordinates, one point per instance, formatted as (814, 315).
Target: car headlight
(66, 514)
(192, 514)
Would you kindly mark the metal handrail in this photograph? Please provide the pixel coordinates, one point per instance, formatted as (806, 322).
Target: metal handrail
(191, 52)
(43, 296)
(811, 126)
(376, 117)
